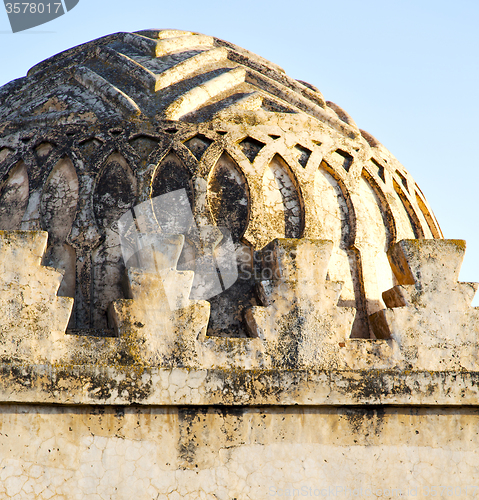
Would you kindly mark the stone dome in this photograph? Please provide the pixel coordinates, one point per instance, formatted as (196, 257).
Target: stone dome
(100, 128)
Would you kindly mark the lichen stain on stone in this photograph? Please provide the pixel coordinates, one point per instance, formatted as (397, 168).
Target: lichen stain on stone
(365, 421)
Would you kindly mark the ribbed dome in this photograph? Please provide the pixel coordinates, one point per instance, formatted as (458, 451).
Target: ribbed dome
(172, 75)
(102, 127)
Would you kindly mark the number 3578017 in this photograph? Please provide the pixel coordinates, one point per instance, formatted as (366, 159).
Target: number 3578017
(32, 8)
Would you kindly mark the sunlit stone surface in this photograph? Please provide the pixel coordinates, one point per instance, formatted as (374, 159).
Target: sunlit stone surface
(305, 335)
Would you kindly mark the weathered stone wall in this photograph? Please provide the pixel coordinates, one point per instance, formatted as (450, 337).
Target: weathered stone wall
(244, 453)
(342, 363)
(181, 415)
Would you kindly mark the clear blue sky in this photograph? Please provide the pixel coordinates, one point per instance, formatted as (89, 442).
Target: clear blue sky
(406, 71)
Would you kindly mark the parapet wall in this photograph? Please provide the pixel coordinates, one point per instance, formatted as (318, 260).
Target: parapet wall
(298, 409)
(429, 324)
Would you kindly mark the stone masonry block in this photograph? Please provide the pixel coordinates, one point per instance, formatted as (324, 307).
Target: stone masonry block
(300, 322)
(429, 313)
(34, 318)
(158, 319)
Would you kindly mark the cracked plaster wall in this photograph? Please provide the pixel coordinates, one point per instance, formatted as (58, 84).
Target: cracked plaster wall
(220, 453)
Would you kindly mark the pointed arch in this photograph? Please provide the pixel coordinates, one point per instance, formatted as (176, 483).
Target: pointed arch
(337, 217)
(282, 199)
(228, 196)
(171, 175)
(14, 197)
(115, 191)
(59, 200)
(373, 238)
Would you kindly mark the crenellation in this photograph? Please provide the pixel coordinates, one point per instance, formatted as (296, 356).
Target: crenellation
(429, 313)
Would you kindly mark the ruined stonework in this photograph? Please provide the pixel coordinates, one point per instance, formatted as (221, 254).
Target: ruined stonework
(340, 344)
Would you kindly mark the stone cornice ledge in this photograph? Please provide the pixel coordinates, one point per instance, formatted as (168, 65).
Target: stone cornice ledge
(136, 385)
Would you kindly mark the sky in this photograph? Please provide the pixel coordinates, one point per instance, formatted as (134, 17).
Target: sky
(406, 71)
